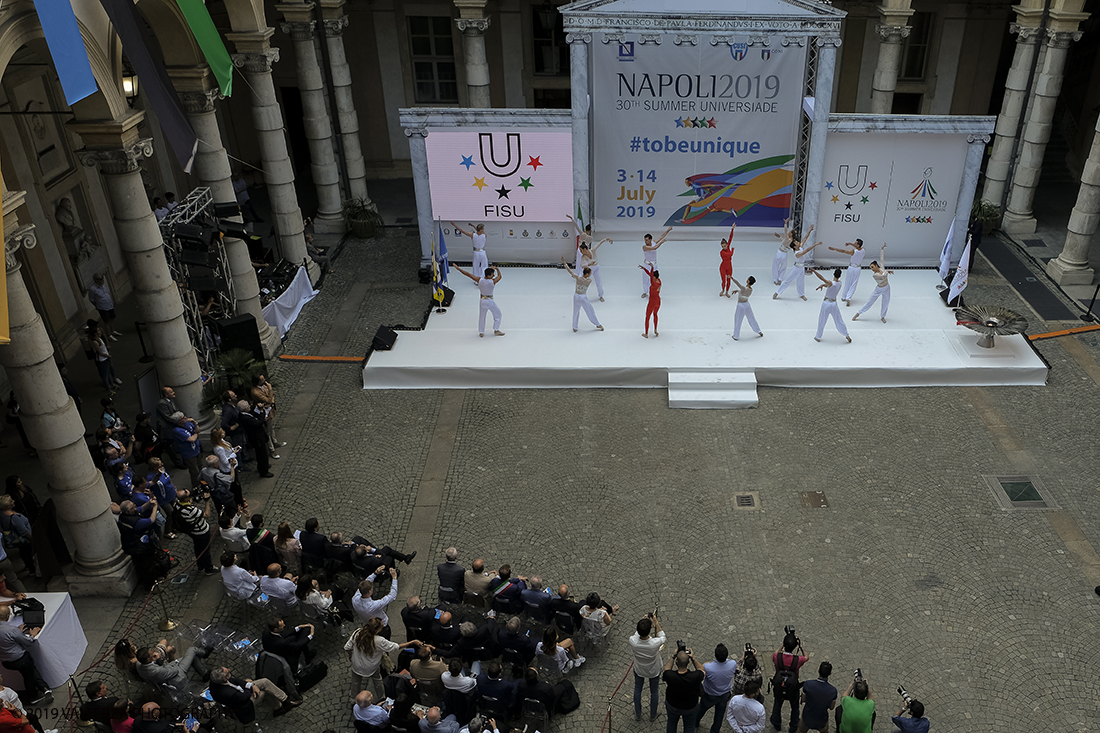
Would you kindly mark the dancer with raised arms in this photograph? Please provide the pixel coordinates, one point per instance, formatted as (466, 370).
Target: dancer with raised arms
(725, 270)
(787, 240)
(654, 303)
(649, 254)
(882, 286)
(856, 252)
(797, 274)
(589, 261)
(829, 306)
(486, 286)
(744, 310)
(583, 238)
(580, 296)
(481, 260)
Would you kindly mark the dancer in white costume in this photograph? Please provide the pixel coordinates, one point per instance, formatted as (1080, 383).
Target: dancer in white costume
(486, 285)
(829, 306)
(882, 286)
(787, 243)
(649, 254)
(583, 238)
(481, 260)
(744, 310)
(851, 278)
(580, 296)
(797, 274)
(589, 261)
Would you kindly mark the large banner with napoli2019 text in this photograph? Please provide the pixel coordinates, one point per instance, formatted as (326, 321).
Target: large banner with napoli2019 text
(897, 188)
(694, 135)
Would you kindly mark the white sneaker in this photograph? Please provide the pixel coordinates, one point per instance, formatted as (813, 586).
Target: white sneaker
(118, 381)
(276, 456)
(579, 661)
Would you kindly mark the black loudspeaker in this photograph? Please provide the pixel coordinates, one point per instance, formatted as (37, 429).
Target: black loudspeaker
(384, 339)
(227, 211)
(234, 229)
(448, 296)
(240, 332)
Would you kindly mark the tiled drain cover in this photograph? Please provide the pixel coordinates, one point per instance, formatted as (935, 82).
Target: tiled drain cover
(746, 500)
(813, 500)
(1019, 492)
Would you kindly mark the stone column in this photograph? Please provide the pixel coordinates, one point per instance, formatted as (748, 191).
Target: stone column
(1018, 218)
(886, 70)
(326, 176)
(335, 22)
(56, 431)
(823, 99)
(473, 24)
(418, 155)
(197, 92)
(578, 80)
(255, 57)
(1071, 267)
(1012, 108)
(117, 150)
(975, 150)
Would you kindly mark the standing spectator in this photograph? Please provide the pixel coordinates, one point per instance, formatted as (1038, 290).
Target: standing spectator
(16, 643)
(856, 713)
(256, 433)
(70, 388)
(748, 669)
(646, 647)
(146, 440)
(785, 685)
(166, 407)
(717, 687)
(103, 363)
(818, 698)
(185, 435)
(365, 648)
(26, 503)
(683, 689)
(159, 481)
(16, 530)
(745, 713)
(264, 394)
(170, 200)
(451, 578)
(160, 209)
(139, 540)
(368, 608)
(220, 485)
(14, 419)
(100, 296)
(198, 528)
(231, 418)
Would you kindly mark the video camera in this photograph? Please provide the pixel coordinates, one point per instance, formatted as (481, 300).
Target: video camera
(905, 695)
(857, 676)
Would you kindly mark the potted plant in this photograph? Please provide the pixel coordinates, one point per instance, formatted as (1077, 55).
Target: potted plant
(987, 212)
(233, 369)
(362, 217)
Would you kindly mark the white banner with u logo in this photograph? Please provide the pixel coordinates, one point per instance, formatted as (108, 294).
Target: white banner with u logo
(482, 174)
(898, 188)
(700, 136)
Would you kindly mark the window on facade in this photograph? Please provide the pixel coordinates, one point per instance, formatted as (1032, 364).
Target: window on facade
(551, 50)
(914, 50)
(433, 59)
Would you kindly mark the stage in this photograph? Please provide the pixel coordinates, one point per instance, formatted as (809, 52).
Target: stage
(918, 346)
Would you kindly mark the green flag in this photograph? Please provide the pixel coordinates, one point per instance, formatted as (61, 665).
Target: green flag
(198, 18)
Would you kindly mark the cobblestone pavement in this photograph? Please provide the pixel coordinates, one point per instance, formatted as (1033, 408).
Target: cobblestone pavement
(911, 572)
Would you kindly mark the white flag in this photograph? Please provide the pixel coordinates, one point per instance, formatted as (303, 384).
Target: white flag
(961, 274)
(945, 255)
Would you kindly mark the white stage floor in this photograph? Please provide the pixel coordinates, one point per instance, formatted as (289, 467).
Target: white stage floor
(920, 345)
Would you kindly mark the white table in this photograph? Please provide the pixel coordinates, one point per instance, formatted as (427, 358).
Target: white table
(61, 643)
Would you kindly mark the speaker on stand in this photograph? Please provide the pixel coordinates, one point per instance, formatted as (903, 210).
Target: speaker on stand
(240, 332)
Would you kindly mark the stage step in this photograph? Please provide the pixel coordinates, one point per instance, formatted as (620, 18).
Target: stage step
(712, 390)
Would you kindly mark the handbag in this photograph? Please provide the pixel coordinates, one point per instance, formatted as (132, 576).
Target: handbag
(311, 675)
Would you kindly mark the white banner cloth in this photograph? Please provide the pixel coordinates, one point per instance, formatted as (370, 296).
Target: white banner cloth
(61, 643)
(281, 313)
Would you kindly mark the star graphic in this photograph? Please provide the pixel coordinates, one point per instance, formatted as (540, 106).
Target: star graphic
(467, 160)
(848, 205)
(525, 183)
(534, 162)
(502, 192)
(688, 123)
(480, 182)
(712, 123)
(679, 122)
(872, 185)
(863, 199)
(829, 185)
(700, 123)
(929, 219)
(836, 199)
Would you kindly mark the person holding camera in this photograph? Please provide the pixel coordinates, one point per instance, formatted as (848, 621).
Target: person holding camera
(683, 689)
(785, 684)
(748, 670)
(717, 687)
(917, 723)
(856, 712)
(818, 698)
(646, 645)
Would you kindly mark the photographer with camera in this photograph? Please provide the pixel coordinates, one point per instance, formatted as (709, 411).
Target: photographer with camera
(646, 645)
(683, 689)
(785, 684)
(915, 724)
(856, 712)
(818, 698)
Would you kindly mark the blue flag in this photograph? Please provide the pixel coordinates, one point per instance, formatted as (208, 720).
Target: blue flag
(66, 48)
(444, 265)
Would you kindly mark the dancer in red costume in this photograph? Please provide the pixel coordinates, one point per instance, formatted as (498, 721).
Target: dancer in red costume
(654, 303)
(726, 268)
